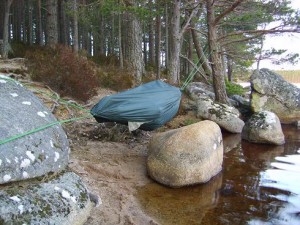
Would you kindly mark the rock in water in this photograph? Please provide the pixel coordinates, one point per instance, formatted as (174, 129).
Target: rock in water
(186, 156)
(265, 128)
(35, 154)
(63, 200)
(272, 93)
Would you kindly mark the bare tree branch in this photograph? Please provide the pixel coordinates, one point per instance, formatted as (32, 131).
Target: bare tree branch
(227, 11)
(258, 33)
(187, 22)
(202, 73)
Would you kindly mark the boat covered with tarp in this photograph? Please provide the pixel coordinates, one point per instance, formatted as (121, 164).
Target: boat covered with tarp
(147, 107)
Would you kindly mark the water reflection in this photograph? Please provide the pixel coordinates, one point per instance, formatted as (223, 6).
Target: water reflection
(231, 141)
(259, 184)
(180, 206)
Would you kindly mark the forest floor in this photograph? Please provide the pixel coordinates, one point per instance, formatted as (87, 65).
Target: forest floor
(110, 159)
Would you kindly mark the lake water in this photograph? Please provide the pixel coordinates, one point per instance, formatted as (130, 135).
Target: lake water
(247, 84)
(259, 184)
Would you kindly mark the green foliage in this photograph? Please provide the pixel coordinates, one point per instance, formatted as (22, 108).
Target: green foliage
(234, 89)
(243, 30)
(291, 58)
(65, 72)
(189, 121)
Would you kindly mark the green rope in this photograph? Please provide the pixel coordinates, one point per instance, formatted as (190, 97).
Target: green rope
(75, 105)
(42, 128)
(2, 77)
(190, 77)
(192, 74)
(12, 138)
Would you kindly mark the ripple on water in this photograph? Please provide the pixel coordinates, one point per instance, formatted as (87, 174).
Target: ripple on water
(284, 176)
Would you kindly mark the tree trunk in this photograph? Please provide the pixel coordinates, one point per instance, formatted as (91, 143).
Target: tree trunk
(199, 50)
(175, 42)
(2, 7)
(145, 50)
(21, 21)
(151, 37)
(88, 41)
(134, 46)
(108, 33)
(30, 24)
(63, 26)
(125, 37)
(5, 47)
(112, 35)
(99, 38)
(166, 35)
(102, 49)
(39, 30)
(51, 27)
(75, 27)
(18, 20)
(158, 45)
(190, 52)
(121, 59)
(229, 69)
(261, 46)
(215, 56)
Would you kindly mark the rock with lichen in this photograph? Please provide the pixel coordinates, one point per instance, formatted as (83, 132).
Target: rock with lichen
(62, 200)
(269, 91)
(34, 150)
(189, 155)
(225, 116)
(36, 153)
(263, 127)
(199, 89)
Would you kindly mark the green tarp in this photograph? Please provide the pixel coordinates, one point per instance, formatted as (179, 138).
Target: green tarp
(152, 104)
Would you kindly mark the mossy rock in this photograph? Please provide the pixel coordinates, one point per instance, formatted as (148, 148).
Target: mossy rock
(62, 200)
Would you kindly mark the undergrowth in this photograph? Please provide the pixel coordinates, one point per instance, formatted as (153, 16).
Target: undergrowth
(67, 73)
(115, 78)
(234, 89)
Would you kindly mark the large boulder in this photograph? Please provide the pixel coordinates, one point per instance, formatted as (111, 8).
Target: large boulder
(186, 156)
(263, 127)
(33, 144)
(196, 90)
(36, 153)
(272, 93)
(225, 116)
(63, 200)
